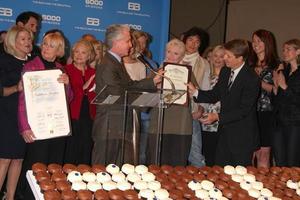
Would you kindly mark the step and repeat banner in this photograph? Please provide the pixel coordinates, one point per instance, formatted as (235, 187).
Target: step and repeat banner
(78, 17)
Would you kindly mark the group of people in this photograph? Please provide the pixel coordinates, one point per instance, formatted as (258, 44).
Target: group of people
(243, 107)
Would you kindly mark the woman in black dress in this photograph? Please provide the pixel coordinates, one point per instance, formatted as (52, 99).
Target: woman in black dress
(18, 44)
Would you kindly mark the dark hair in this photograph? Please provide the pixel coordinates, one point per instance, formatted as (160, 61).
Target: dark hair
(25, 16)
(238, 47)
(201, 33)
(271, 58)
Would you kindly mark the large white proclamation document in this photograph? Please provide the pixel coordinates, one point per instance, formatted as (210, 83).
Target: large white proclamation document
(46, 104)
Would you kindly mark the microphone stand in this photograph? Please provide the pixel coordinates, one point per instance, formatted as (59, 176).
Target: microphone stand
(140, 57)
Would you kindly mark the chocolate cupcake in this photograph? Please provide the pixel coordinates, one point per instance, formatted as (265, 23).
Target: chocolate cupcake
(155, 169)
(176, 194)
(192, 169)
(278, 193)
(186, 177)
(205, 170)
(188, 193)
(37, 167)
(166, 169)
(67, 168)
(251, 170)
(179, 170)
(221, 185)
(275, 170)
(84, 195)
(116, 194)
(97, 168)
(199, 177)
(63, 185)
(41, 176)
(84, 168)
(217, 169)
(289, 192)
(224, 177)
(52, 195)
(212, 177)
(168, 185)
(54, 168)
(262, 170)
(101, 195)
(130, 194)
(173, 177)
(47, 185)
(58, 176)
(228, 193)
(181, 185)
(161, 177)
(68, 195)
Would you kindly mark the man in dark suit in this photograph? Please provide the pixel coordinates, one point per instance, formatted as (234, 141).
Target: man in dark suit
(107, 129)
(237, 89)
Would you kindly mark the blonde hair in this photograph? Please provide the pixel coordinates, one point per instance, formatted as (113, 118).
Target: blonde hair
(136, 34)
(214, 50)
(88, 45)
(176, 43)
(98, 46)
(295, 43)
(56, 39)
(10, 39)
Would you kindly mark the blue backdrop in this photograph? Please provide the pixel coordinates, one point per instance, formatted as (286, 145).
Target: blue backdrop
(77, 17)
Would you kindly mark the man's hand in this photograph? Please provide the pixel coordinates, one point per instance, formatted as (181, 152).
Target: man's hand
(191, 88)
(209, 118)
(28, 136)
(158, 77)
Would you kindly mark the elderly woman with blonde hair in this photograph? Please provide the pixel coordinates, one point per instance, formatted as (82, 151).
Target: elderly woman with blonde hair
(177, 123)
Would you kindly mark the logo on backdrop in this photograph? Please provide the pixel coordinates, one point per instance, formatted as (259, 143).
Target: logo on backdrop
(135, 26)
(7, 12)
(51, 19)
(134, 6)
(98, 4)
(92, 21)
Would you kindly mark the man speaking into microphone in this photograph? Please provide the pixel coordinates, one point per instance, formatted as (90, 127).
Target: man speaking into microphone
(111, 72)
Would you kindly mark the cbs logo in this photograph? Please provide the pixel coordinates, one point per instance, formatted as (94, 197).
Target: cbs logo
(135, 26)
(134, 6)
(92, 21)
(8, 12)
(94, 2)
(51, 18)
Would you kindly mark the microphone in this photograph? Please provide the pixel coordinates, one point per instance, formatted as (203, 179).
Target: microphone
(141, 58)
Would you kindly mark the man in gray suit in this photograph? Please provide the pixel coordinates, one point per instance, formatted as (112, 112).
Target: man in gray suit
(107, 129)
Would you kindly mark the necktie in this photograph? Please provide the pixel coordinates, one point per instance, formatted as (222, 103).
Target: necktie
(230, 79)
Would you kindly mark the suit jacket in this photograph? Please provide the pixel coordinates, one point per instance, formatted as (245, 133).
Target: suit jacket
(237, 118)
(112, 73)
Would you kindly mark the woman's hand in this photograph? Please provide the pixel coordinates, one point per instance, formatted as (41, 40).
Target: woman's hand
(63, 78)
(209, 118)
(28, 136)
(197, 114)
(88, 82)
(158, 77)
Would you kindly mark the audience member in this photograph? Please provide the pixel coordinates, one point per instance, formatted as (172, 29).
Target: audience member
(17, 45)
(48, 150)
(287, 107)
(173, 132)
(107, 129)
(79, 145)
(143, 39)
(2, 36)
(201, 71)
(264, 62)
(209, 134)
(237, 89)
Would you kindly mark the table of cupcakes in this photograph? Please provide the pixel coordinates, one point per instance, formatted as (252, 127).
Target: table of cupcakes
(99, 182)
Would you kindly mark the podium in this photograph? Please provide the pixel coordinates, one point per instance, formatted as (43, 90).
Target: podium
(130, 103)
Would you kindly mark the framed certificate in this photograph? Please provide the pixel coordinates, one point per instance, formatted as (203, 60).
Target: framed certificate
(180, 75)
(46, 104)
